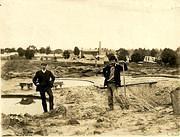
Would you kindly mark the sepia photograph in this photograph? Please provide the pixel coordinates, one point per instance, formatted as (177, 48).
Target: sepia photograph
(90, 67)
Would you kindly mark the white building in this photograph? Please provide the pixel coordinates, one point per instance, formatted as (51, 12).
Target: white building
(149, 59)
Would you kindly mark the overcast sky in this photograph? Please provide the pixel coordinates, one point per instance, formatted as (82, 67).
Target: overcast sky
(65, 24)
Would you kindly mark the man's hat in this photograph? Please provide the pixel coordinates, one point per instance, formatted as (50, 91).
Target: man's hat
(113, 57)
(43, 64)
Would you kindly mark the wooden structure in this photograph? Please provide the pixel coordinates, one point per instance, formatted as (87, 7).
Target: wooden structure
(29, 85)
(134, 84)
(175, 99)
(58, 84)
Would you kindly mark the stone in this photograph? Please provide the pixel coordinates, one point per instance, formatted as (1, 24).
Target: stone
(73, 121)
(97, 132)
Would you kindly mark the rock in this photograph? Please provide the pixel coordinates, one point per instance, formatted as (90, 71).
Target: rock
(138, 123)
(27, 115)
(26, 101)
(59, 110)
(42, 132)
(97, 132)
(100, 120)
(73, 121)
(8, 132)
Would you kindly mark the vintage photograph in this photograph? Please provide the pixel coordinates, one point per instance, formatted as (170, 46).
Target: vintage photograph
(90, 67)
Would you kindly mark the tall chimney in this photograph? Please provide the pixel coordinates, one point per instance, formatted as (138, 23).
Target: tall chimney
(99, 50)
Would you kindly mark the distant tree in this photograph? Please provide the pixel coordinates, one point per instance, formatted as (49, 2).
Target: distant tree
(109, 55)
(76, 51)
(12, 50)
(2, 51)
(154, 53)
(136, 57)
(7, 50)
(139, 54)
(48, 50)
(121, 54)
(169, 57)
(42, 50)
(178, 49)
(178, 56)
(29, 53)
(66, 54)
(58, 51)
(32, 47)
(21, 52)
(71, 51)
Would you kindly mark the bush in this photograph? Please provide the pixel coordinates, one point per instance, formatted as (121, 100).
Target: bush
(109, 55)
(42, 50)
(2, 51)
(154, 53)
(58, 51)
(48, 50)
(21, 52)
(136, 57)
(66, 54)
(76, 51)
(169, 57)
(29, 54)
(121, 54)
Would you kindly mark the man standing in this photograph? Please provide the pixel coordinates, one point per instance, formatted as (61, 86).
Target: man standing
(43, 81)
(111, 73)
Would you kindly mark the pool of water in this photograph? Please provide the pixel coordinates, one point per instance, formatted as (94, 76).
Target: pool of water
(13, 106)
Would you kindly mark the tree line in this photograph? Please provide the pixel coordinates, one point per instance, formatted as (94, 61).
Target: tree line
(166, 56)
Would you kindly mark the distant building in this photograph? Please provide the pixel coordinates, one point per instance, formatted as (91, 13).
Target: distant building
(98, 54)
(90, 53)
(42, 57)
(149, 59)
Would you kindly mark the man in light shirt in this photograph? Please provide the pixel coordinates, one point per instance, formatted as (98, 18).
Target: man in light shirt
(111, 73)
(43, 81)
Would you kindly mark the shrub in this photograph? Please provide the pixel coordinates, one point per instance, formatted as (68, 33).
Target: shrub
(29, 54)
(66, 54)
(76, 51)
(169, 57)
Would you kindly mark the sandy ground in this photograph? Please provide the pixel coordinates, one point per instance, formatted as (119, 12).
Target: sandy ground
(82, 110)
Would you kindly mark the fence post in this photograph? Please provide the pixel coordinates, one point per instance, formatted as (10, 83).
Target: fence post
(175, 99)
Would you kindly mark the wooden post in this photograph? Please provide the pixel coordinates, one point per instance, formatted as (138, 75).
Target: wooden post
(124, 82)
(175, 99)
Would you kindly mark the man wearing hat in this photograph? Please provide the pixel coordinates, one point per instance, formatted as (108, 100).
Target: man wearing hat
(112, 80)
(43, 81)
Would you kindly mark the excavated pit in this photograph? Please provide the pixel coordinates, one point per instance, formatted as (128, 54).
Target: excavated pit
(82, 110)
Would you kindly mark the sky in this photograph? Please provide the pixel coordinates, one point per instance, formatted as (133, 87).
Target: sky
(64, 24)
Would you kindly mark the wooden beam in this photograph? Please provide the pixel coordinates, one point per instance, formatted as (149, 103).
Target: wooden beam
(134, 84)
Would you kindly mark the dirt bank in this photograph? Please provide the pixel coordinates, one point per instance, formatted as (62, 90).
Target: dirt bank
(27, 68)
(82, 111)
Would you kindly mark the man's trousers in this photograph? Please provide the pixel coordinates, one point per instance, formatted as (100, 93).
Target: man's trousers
(120, 98)
(43, 97)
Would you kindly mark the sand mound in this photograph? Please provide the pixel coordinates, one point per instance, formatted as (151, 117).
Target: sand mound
(83, 111)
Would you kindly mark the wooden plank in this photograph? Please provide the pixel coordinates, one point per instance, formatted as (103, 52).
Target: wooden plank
(134, 84)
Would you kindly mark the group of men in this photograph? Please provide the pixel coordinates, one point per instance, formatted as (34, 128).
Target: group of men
(44, 79)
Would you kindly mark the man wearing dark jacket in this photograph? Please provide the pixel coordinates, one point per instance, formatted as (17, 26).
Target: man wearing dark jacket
(112, 80)
(43, 81)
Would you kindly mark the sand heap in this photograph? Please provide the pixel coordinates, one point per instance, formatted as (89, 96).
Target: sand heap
(82, 111)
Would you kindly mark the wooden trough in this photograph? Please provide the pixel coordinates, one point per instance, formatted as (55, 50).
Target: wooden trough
(56, 84)
(29, 85)
(134, 84)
